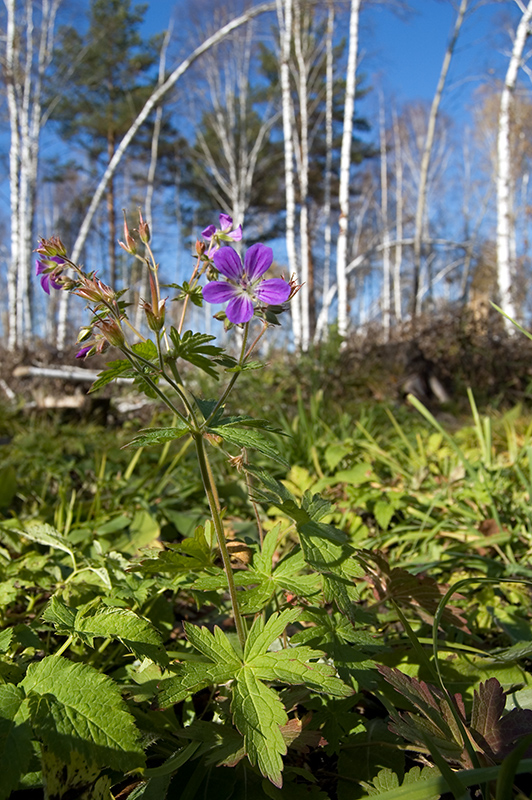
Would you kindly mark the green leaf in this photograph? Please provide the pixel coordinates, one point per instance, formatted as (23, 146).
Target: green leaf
(383, 513)
(150, 436)
(120, 368)
(215, 646)
(297, 665)
(45, 534)
(74, 776)
(438, 785)
(258, 714)
(108, 622)
(191, 677)
(15, 738)
(243, 437)
(134, 631)
(60, 615)
(262, 635)
(74, 707)
(5, 639)
(196, 348)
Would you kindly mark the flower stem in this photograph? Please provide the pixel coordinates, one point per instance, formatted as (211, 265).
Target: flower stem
(214, 505)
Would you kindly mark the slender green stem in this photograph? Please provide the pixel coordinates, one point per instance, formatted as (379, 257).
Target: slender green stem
(234, 377)
(66, 644)
(166, 400)
(214, 505)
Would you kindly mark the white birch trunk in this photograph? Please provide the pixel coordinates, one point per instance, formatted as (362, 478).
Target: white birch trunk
(505, 221)
(385, 229)
(302, 70)
(425, 158)
(14, 156)
(345, 165)
(398, 218)
(150, 104)
(284, 13)
(329, 80)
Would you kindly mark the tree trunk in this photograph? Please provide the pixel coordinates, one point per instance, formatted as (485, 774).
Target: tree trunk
(386, 299)
(329, 80)
(345, 166)
(284, 12)
(505, 221)
(425, 158)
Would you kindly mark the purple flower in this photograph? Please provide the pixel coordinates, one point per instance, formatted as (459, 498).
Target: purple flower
(49, 273)
(225, 232)
(244, 284)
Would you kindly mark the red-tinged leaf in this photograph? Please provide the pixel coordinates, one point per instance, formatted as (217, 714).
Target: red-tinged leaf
(510, 729)
(488, 705)
(421, 593)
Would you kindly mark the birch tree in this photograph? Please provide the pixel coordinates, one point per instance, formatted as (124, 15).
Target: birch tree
(345, 165)
(28, 53)
(505, 221)
(426, 156)
(284, 15)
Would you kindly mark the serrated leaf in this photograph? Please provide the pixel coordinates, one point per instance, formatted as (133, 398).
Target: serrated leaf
(60, 615)
(151, 436)
(191, 677)
(259, 714)
(488, 705)
(121, 368)
(196, 348)
(215, 646)
(15, 738)
(5, 639)
(45, 534)
(263, 561)
(244, 437)
(297, 665)
(74, 707)
(134, 631)
(262, 635)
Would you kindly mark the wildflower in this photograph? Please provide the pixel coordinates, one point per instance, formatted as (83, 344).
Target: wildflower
(50, 272)
(225, 233)
(244, 284)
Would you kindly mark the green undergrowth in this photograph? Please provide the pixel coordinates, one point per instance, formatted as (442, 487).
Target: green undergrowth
(405, 659)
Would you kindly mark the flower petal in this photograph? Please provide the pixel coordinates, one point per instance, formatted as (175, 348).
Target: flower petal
(209, 231)
(257, 260)
(218, 292)
(45, 283)
(226, 222)
(240, 309)
(235, 235)
(273, 292)
(227, 261)
(39, 267)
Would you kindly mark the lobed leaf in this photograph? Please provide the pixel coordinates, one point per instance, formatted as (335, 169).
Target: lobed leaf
(294, 666)
(215, 646)
(191, 677)
(258, 714)
(262, 635)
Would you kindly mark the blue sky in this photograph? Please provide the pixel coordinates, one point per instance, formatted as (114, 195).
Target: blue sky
(403, 54)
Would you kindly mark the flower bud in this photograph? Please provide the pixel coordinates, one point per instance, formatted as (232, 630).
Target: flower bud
(200, 247)
(144, 229)
(130, 245)
(112, 332)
